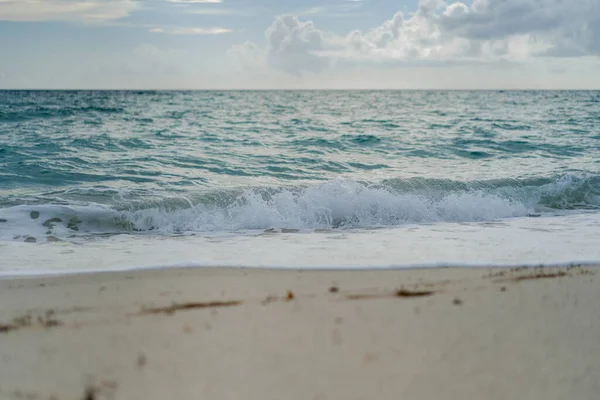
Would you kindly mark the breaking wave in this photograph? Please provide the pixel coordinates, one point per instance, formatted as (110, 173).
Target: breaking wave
(338, 204)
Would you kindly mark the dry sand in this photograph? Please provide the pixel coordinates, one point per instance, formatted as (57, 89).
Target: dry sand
(239, 334)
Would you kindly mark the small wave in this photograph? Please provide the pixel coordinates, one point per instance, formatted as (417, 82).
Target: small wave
(361, 139)
(57, 111)
(336, 204)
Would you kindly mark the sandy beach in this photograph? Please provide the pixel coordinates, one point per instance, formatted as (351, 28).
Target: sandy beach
(220, 333)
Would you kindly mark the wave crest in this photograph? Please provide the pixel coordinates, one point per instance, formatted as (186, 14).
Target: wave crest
(333, 205)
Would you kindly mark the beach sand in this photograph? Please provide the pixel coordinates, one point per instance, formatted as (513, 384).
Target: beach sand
(222, 333)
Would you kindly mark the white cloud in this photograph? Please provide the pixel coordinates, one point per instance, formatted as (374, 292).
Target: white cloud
(89, 11)
(438, 33)
(181, 30)
(293, 46)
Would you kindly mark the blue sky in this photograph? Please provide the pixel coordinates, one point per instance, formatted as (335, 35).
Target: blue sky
(205, 44)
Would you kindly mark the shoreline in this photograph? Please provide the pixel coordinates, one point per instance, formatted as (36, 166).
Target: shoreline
(253, 333)
(41, 274)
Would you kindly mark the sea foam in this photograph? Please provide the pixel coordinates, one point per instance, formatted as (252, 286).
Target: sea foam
(338, 204)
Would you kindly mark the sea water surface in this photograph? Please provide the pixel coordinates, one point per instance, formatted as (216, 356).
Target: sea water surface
(105, 180)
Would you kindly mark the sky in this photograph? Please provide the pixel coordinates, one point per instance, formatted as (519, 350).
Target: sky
(308, 44)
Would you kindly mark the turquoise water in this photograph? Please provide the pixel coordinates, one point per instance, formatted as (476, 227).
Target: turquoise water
(81, 166)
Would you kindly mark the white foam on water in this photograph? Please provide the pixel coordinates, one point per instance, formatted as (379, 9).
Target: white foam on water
(53, 220)
(336, 204)
(548, 240)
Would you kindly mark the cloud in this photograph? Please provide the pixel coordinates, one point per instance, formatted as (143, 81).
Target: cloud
(88, 11)
(487, 19)
(181, 30)
(487, 31)
(293, 45)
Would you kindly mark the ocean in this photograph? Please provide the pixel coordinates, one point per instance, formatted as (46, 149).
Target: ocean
(117, 180)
